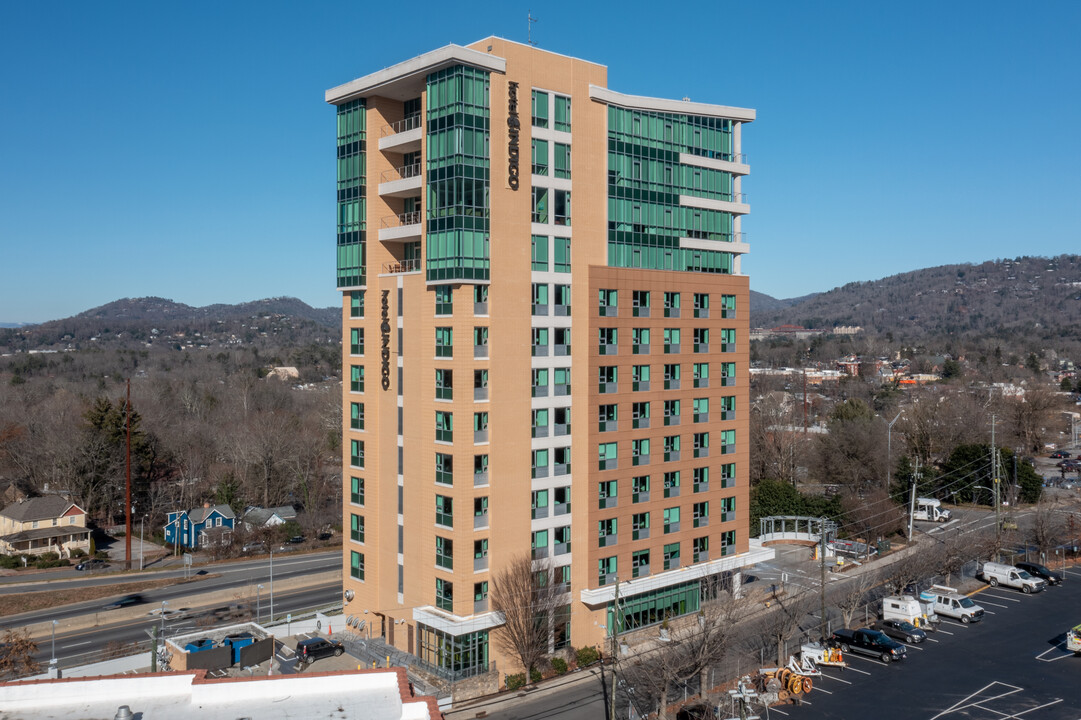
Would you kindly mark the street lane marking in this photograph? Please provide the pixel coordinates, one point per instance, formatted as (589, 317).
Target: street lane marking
(931, 639)
(1061, 647)
(944, 631)
(960, 705)
(65, 647)
(819, 689)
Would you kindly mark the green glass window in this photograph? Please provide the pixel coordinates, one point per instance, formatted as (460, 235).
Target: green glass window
(444, 595)
(356, 453)
(444, 552)
(701, 479)
(444, 384)
(444, 510)
(356, 565)
(444, 342)
(356, 528)
(356, 490)
(607, 569)
(356, 416)
(356, 303)
(444, 468)
(562, 160)
(701, 375)
(540, 544)
(356, 378)
(606, 453)
(444, 300)
(540, 204)
(457, 173)
(671, 484)
(540, 157)
(640, 378)
(356, 341)
(671, 556)
(540, 382)
(351, 190)
(540, 253)
(561, 254)
(444, 426)
(562, 113)
(640, 489)
(540, 109)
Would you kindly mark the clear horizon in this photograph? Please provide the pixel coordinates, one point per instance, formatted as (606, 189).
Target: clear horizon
(186, 152)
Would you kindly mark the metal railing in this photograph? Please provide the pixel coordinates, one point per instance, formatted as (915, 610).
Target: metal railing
(400, 220)
(402, 266)
(404, 125)
(402, 173)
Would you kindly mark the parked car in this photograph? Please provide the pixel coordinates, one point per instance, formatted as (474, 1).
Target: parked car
(297, 539)
(254, 547)
(1060, 454)
(317, 648)
(868, 642)
(950, 603)
(1011, 576)
(91, 564)
(901, 630)
(125, 601)
(1052, 578)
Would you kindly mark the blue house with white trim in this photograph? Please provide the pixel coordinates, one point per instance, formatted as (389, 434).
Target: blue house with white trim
(200, 527)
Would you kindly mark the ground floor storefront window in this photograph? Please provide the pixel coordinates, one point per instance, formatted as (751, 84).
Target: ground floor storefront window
(454, 655)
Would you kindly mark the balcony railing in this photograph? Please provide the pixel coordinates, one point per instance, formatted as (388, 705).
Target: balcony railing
(405, 124)
(401, 173)
(402, 266)
(401, 220)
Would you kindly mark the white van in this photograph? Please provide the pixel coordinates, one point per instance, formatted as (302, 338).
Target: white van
(908, 608)
(950, 603)
(1008, 575)
(931, 509)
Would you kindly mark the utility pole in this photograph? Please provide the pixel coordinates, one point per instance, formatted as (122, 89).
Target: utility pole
(994, 477)
(822, 565)
(127, 484)
(912, 498)
(615, 651)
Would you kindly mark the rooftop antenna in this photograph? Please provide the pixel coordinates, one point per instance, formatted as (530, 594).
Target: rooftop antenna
(530, 34)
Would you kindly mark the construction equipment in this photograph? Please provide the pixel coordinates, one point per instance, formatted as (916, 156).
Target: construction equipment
(815, 653)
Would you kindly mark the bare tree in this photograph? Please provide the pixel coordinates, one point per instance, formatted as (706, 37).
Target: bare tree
(1048, 526)
(853, 594)
(17, 659)
(526, 596)
(913, 566)
(785, 618)
(694, 645)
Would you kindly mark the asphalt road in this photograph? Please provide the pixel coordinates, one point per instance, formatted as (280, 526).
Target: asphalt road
(1011, 666)
(232, 575)
(577, 696)
(84, 646)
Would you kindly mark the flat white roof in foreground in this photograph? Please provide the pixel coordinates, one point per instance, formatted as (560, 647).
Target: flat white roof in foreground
(374, 694)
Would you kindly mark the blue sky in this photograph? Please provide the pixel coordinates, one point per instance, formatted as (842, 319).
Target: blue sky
(184, 149)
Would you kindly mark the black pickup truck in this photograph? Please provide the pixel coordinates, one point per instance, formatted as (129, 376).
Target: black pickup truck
(868, 642)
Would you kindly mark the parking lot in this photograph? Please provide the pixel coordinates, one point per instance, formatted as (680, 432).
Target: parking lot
(1013, 665)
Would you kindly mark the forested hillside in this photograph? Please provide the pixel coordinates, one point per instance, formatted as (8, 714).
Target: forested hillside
(1034, 299)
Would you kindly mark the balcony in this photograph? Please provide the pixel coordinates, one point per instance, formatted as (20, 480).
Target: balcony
(403, 136)
(404, 181)
(401, 267)
(405, 227)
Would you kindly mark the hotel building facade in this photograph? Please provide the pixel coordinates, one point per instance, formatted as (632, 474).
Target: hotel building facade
(514, 237)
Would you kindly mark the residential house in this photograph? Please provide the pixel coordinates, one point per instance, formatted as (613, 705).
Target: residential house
(50, 523)
(258, 517)
(199, 527)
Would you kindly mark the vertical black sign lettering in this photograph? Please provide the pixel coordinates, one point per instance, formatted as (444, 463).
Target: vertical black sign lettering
(513, 127)
(384, 332)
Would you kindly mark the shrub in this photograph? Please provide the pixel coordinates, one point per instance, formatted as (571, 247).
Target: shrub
(587, 656)
(515, 681)
(559, 665)
(535, 676)
(78, 553)
(10, 562)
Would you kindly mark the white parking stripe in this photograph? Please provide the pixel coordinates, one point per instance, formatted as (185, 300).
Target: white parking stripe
(815, 687)
(931, 639)
(834, 677)
(999, 597)
(994, 604)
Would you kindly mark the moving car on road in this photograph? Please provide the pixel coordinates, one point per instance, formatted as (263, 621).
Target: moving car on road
(91, 564)
(125, 601)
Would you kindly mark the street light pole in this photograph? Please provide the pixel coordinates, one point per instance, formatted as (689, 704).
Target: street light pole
(163, 604)
(53, 661)
(258, 604)
(271, 585)
(889, 451)
(142, 527)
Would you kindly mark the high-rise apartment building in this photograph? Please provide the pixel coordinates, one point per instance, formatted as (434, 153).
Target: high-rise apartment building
(545, 347)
